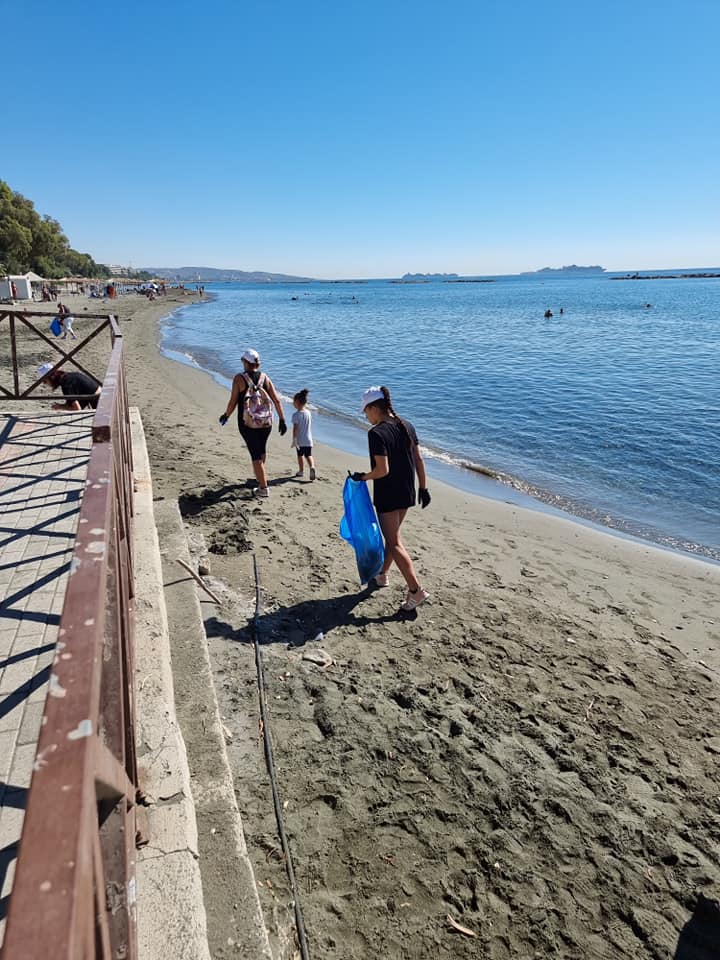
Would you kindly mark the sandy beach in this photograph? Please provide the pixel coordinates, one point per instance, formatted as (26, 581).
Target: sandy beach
(534, 753)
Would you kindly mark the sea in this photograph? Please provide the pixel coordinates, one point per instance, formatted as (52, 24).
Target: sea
(608, 411)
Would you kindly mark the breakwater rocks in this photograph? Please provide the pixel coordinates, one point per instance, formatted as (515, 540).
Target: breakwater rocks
(669, 276)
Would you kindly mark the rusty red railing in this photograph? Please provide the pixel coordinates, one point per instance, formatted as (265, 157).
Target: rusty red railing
(74, 892)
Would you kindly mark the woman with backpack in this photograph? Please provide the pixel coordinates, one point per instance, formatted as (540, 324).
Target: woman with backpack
(254, 395)
(396, 459)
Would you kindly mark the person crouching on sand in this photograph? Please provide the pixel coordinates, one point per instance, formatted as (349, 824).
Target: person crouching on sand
(76, 383)
(254, 395)
(302, 433)
(395, 458)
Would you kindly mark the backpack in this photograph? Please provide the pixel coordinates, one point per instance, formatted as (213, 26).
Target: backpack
(257, 406)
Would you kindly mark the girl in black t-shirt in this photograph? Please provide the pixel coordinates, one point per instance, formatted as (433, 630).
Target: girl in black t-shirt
(395, 458)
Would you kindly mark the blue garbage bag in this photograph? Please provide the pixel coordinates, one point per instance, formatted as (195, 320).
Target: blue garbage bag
(359, 526)
(56, 327)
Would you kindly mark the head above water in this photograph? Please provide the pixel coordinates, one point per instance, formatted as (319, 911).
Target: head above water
(251, 359)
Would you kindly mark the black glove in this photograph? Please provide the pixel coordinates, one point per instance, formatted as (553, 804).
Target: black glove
(424, 497)
(282, 428)
(223, 419)
(357, 476)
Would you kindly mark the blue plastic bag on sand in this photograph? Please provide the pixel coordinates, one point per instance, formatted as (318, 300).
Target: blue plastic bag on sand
(359, 526)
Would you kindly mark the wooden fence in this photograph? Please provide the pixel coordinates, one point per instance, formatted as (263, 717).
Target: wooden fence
(27, 320)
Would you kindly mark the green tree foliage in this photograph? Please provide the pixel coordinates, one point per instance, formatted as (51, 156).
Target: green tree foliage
(31, 242)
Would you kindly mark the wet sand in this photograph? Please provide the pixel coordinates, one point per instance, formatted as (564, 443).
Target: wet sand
(534, 754)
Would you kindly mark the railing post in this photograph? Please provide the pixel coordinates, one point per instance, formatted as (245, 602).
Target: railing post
(13, 352)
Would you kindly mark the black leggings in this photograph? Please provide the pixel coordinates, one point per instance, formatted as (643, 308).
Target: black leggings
(256, 439)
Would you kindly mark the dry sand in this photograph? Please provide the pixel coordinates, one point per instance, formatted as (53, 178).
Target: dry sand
(535, 754)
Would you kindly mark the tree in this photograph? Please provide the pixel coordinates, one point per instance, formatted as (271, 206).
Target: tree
(31, 242)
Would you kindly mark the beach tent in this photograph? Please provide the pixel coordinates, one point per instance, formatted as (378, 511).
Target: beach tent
(34, 280)
(23, 288)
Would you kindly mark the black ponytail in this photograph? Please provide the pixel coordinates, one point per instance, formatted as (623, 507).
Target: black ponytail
(301, 396)
(386, 402)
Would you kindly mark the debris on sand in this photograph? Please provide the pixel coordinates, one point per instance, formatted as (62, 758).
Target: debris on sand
(459, 927)
(320, 657)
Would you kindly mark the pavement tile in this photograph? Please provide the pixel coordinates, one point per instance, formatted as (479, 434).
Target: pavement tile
(10, 719)
(28, 646)
(31, 722)
(38, 694)
(7, 861)
(45, 659)
(8, 739)
(7, 638)
(11, 821)
(22, 765)
(17, 674)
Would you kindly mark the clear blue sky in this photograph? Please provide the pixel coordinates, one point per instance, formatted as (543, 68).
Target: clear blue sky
(338, 139)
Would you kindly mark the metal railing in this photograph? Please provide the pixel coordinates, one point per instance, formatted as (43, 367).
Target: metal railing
(74, 892)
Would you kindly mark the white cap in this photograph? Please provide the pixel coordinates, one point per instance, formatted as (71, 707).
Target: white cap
(252, 356)
(44, 370)
(370, 396)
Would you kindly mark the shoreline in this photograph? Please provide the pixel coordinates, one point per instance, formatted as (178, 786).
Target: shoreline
(199, 384)
(534, 752)
(473, 478)
(200, 381)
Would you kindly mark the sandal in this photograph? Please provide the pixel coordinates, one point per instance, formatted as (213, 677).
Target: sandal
(381, 579)
(413, 600)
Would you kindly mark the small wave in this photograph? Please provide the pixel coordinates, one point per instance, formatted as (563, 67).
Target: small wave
(182, 357)
(578, 509)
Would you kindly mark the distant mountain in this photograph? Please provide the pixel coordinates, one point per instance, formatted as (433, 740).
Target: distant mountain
(210, 274)
(428, 276)
(573, 268)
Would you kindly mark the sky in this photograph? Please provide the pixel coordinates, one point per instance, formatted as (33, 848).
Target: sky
(347, 139)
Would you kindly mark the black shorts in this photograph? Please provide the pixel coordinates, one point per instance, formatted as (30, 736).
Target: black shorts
(256, 439)
(388, 505)
(304, 451)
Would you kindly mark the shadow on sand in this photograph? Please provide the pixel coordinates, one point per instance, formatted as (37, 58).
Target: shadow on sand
(700, 937)
(296, 624)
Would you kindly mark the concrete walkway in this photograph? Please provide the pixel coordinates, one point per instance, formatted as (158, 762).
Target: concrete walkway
(43, 465)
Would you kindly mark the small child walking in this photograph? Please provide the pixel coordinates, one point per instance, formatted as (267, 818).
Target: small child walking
(302, 433)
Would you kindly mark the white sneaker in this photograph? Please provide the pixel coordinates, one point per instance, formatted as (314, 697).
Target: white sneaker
(261, 492)
(415, 599)
(312, 473)
(301, 474)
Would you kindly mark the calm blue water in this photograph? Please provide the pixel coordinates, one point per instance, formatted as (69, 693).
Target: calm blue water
(611, 411)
